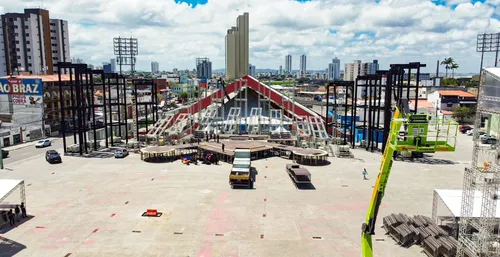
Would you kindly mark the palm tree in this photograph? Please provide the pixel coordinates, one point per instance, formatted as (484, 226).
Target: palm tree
(447, 62)
(453, 67)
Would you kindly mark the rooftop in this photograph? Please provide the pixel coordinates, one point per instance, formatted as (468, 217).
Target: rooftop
(45, 78)
(455, 93)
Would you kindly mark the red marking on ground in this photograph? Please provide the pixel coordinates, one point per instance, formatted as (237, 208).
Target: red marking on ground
(162, 177)
(89, 188)
(38, 230)
(62, 203)
(90, 241)
(206, 250)
(124, 193)
(100, 202)
(58, 235)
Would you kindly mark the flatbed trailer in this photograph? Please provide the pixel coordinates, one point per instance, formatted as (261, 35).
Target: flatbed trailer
(298, 174)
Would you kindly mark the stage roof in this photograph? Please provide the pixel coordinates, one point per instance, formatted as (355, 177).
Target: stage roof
(7, 186)
(453, 200)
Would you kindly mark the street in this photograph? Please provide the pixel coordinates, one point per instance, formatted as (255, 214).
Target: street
(31, 151)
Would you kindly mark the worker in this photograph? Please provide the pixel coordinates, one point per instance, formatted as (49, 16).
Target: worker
(365, 173)
(18, 213)
(12, 220)
(217, 138)
(23, 210)
(223, 147)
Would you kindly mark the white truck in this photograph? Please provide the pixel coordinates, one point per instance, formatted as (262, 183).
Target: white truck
(241, 172)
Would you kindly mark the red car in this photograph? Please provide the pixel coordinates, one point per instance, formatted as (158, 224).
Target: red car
(464, 128)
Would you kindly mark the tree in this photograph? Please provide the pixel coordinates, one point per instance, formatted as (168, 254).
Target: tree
(453, 67)
(447, 62)
(461, 113)
(184, 96)
(450, 82)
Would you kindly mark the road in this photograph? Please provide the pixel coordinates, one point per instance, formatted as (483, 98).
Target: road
(32, 152)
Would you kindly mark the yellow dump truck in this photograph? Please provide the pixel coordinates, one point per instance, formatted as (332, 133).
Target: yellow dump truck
(241, 171)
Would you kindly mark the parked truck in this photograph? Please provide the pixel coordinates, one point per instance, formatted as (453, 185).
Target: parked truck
(241, 172)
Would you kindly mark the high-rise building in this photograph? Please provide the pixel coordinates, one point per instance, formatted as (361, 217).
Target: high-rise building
(33, 42)
(3, 63)
(374, 67)
(251, 70)
(107, 67)
(288, 64)
(113, 65)
(303, 65)
(334, 69)
(155, 67)
(203, 68)
(353, 70)
(281, 70)
(237, 48)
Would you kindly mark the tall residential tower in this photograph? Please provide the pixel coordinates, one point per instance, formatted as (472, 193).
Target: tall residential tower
(334, 69)
(237, 48)
(303, 66)
(33, 42)
(288, 64)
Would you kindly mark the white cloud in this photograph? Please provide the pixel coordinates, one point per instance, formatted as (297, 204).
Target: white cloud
(175, 34)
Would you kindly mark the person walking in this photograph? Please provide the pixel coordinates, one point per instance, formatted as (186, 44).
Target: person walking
(365, 173)
(12, 220)
(217, 138)
(223, 147)
(23, 210)
(18, 213)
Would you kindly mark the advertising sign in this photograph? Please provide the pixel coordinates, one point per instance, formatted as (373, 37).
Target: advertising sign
(203, 83)
(21, 99)
(19, 91)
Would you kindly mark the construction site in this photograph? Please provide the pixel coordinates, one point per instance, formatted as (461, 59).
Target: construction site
(291, 181)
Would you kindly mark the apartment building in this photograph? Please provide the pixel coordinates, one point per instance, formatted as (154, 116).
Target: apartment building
(33, 42)
(155, 68)
(237, 48)
(357, 68)
(303, 66)
(3, 63)
(288, 64)
(203, 68)
(334, 69)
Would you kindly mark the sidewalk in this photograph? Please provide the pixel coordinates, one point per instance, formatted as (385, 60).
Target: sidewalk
(24, 145)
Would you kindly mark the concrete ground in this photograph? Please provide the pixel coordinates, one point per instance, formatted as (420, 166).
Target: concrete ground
(93, 207)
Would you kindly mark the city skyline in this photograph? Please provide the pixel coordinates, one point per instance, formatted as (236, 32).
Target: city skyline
(442, 29)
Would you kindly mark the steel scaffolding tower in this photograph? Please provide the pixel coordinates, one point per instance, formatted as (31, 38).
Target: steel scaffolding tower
(482, 179)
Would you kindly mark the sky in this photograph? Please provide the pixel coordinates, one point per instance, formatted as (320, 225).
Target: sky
(175, 32)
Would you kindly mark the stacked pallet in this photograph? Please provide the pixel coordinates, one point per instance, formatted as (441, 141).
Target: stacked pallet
(420, 230)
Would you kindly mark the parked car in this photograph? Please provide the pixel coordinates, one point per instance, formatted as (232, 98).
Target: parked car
(121, 153)
(5, 153)
(464, 128)
(43, 143)
(487, 139)
(52, 156)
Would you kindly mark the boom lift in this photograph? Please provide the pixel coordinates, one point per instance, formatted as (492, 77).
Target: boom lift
(409, 133)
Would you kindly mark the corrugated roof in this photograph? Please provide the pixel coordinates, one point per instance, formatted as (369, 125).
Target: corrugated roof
(455, 93)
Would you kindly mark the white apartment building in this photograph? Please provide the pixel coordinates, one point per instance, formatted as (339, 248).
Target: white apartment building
(34, 42)
(251, 70)
(303, 66)
(237, 48)
(334, 69)
(155, 67)
(357, 68)
(288, 64)
(113, 65)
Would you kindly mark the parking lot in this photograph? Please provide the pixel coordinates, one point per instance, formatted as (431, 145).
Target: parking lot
(93, 206)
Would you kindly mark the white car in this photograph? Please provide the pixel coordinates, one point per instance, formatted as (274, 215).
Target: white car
(43, 143)
(121, 153)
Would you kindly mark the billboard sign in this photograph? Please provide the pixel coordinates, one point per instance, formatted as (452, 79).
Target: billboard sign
(22, 91)
(203, 83)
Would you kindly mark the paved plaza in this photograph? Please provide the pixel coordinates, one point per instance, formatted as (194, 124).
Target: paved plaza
(93, 206)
